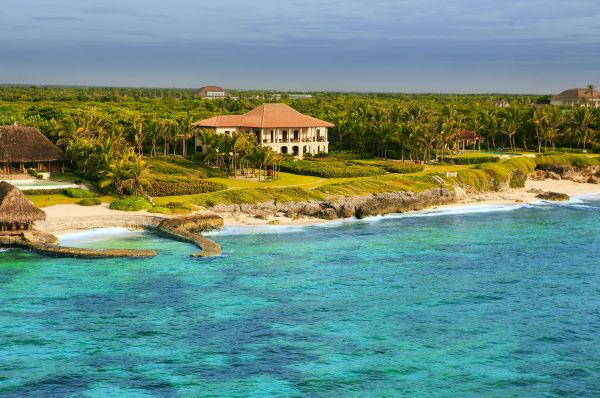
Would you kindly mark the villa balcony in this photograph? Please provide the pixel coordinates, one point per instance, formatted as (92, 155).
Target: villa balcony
(303, 140)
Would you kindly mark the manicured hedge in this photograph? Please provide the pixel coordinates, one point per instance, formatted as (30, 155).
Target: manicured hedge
(174, 186)
(343, 155)
(474, 159)
(59, 191)
(78, 193)
(132, 203)
(330, 169)
(90, 202)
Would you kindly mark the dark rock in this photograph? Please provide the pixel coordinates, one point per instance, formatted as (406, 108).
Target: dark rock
(553, 196)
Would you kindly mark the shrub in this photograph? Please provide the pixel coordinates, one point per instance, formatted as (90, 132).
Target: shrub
(544, 162)
(492, 176)
(59, 191)
(476, 179)
(78, 193)
(90, 202)
(344, 155)
(379, 184)
(474, 159)
(255, 195)
(131, 203)
(177, 185)
(330, 169)
(179, 206)
(392, 167)
(160, 210)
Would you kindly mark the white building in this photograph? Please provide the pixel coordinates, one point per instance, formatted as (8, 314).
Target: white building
(213, 92)
(275, 125)
(577, 96)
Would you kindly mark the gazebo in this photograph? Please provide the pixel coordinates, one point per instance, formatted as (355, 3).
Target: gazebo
(17, 214)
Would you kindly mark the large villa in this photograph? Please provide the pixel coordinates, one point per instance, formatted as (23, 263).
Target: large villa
(277, 126)
(577, 96)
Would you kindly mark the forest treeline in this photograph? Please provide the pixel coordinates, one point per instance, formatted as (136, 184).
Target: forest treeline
(109, 130)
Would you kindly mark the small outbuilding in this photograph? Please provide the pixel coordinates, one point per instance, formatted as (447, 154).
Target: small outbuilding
(23, 148)
(17, 213)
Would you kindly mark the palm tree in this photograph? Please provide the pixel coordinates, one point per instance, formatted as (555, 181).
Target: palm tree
(582, 120)
(139, 133)
(538, 118)
(137, 176)
(591, 89)
(555, 122)
(511, 125)
(152, 126)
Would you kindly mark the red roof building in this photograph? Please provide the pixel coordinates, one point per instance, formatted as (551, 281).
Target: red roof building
(213, 92)
(577, 96)
(275, 125)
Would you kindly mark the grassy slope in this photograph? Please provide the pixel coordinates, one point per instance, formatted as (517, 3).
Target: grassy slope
(291, 187)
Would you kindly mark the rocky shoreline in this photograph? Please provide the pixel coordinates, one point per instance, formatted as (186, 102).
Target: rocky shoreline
(190, 228)
(187, 229)
(346, 207)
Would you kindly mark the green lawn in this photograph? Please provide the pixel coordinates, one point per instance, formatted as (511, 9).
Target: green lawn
(284, 180)
(60, 199)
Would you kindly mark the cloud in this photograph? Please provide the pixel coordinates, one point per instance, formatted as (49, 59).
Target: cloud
(390, 44)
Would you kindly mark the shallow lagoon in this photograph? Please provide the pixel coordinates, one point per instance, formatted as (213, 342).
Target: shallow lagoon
(486, 302)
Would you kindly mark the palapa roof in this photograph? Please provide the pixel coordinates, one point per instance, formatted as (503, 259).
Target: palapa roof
(265, 116)
(26, 144)
(576, 94)
(14, 206)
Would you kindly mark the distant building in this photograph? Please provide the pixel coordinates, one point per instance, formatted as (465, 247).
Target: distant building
(291, 96)
(277, 126)
(213, 92)
(468, 138)
(23, 148)
(577, 96)
(502, 104)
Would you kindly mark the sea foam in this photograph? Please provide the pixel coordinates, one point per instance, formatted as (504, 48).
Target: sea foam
(98, 233)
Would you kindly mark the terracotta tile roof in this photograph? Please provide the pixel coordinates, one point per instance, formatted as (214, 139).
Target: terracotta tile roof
(265, 116)
(575, 94)
(468, 135)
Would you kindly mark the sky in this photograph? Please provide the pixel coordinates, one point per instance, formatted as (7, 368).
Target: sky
(457, 46)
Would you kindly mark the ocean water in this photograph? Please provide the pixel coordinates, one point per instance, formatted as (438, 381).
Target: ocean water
(486, 302)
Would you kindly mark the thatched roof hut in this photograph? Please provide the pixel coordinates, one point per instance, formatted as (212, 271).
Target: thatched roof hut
(16, 212)
(27, 144)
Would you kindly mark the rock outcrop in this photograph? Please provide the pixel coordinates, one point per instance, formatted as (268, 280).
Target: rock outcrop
(189, 229)
(553, 196)
(590, 174)
(346, 207)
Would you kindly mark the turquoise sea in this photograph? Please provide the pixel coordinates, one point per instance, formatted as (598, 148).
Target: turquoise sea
(485, 302)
